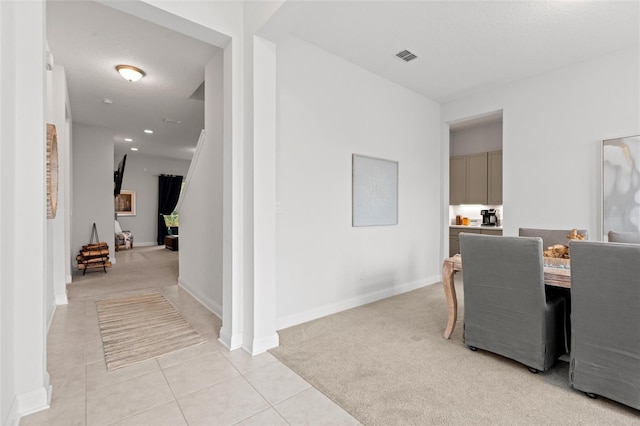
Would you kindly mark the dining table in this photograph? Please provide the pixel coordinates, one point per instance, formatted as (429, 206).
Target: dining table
(556, 273)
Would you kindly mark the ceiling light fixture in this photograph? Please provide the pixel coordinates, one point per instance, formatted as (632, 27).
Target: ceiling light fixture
(148, 131)
(129, 72)
(128, 140)
(134, 149)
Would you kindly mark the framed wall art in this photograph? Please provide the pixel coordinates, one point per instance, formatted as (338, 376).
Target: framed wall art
(374, 191)
(620, 185)
(125, 203)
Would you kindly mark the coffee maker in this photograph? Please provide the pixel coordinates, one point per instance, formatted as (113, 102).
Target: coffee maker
(489, 217)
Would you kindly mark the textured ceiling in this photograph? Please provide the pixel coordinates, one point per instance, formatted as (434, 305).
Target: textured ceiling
(463, 46)
(90, 39)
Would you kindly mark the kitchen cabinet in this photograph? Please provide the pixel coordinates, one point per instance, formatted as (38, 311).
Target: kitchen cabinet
(454, 241)
(458, 180)
(476, 178)
(494, 178)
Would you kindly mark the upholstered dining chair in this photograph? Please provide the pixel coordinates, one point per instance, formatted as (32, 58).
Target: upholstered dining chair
(506, 308)
(624, 237)
(551, 237)
(605, 338)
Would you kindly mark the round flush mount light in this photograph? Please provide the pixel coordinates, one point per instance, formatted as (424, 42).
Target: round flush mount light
(134, 149)
(148, 131)
(128, 140)
(129, 72)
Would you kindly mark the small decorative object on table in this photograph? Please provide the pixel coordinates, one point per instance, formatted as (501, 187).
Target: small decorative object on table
(561, 251)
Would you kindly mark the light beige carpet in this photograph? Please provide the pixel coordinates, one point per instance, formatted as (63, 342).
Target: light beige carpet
(137, 328)
(387, 363)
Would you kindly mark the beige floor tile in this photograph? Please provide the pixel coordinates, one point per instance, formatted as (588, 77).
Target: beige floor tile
(199, 373)
(165, 415)
(226, 403)
(63, 412)
(311, 407)
(92, 333)
(68, 358)
(93, 351)
(125, 399)
(59, 340)
(98, 376)
(268, 417)
(206, 378)
(183, 355)
(68, 383)
(276, 382)
(205, 324)
(244, 362)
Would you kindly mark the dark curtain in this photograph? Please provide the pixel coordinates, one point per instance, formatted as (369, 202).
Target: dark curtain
(168, 193)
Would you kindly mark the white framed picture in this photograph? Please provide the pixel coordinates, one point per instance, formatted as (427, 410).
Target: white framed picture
(125, 203)
(374, 192)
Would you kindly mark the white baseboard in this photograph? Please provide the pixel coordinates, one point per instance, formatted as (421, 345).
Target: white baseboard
(230, 341)
(263, 344)
(146, 244)
(354, 302)
(61, 299)
(212, 305)
(29, 403)
(68, 279)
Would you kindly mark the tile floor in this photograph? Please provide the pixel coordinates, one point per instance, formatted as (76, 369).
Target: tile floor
(201, 385)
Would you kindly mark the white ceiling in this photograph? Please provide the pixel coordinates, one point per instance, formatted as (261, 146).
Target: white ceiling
(90, 39)
(462, 47)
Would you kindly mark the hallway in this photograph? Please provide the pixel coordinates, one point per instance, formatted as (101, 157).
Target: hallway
(204, 384)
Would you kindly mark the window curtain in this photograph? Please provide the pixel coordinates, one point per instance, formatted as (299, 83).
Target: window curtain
(168, 194)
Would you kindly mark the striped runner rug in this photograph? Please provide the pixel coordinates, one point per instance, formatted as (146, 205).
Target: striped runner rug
(138, 328)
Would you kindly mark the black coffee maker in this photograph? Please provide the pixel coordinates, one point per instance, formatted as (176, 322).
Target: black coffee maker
(489, 217)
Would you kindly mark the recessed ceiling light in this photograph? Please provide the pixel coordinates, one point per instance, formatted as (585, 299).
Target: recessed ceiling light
(128, 140)
(134, 149)
(171, 121)
(107, 101)
(148, 131)
(129, 72)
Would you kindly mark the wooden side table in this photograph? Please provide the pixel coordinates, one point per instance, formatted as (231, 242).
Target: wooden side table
(171, 242)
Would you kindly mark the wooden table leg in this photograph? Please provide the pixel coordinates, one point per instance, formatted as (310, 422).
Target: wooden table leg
(452, 300)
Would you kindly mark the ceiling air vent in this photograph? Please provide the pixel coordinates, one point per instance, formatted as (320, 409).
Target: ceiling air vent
(170, 121)
(406, 55)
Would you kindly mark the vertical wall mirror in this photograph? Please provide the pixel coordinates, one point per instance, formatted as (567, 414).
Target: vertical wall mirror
(620, 185)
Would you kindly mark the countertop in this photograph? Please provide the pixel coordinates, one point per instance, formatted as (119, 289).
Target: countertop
(475, 226)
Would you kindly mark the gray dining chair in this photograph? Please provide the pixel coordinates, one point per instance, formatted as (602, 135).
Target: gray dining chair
(605, 341)
(624, 237)
(506, 308)
(551, 237)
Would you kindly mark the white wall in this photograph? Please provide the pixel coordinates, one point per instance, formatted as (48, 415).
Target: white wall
(141, 175)
(24, 381)
(201, 211)
(92, 186)
(225, 19)
(553, 127)
(475, 139)
(329, 109)
(58, 250)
